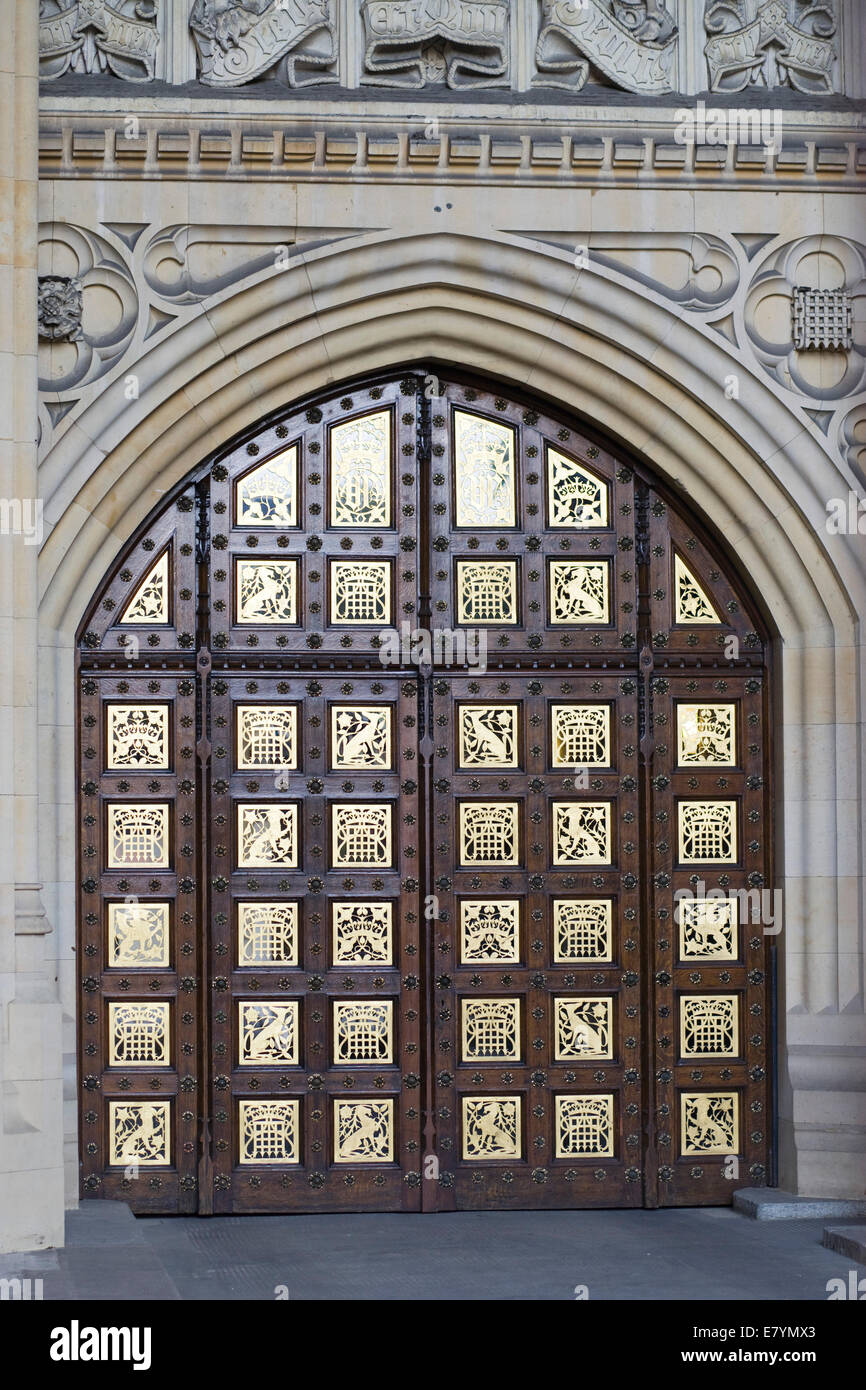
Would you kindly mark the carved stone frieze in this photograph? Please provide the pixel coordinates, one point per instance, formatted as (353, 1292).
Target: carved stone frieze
(631, 43)
(771, 43)
(240, 40)
(418, 43)
(91, 37)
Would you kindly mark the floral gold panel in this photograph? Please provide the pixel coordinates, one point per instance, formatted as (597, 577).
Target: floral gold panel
(267, 495)
(575, 496)
(150, 605)
(706, 735)
(350, 902)
(363, 933)
(489, 931)
(137, 737)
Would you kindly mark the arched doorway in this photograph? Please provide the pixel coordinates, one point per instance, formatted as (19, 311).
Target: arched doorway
(401, 728)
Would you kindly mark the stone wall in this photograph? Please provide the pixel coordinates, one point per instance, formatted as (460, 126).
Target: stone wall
(211, 250)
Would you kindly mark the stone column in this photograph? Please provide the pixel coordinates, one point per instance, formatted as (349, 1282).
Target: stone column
(31, 1175)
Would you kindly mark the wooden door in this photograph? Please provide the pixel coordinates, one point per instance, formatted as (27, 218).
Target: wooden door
(403, 731)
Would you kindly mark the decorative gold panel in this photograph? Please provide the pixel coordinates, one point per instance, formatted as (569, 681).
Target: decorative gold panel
(491, 1030)
(709, 928)
(138, 934)
(575, 496)
(709, 1025)
(138, 1034)
(268, 495)
(488, 735)
(361, 471)
(584, 1028)
(580, 735)
(137, 737)
(491, 1127)
(581, 832)
(266, 591)
(150, 604)
(139, 1132)
(579, 591)
(706, 735)
(268, 1032)
(360, 737)
(267, 933)
(268, 1131)
(487, 591)
(484, 472)
(138, 835)
(582, 929)
(361, 835)
(490, 931)
(267, 736)
(691, 604)
(709, 1122)
(363, 1031)
(360, 592)
(267, 836)
(489, 833)
(707, 832)
(363, 1131)
(363, 933)
(584, 1126)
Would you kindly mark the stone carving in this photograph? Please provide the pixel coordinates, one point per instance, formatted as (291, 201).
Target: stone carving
(770, 43)
(830, 365)
(631, 42)
(90, 36)
(418, 43)
(240, 40)
(59, 308)
(100, 327)
(822, 319)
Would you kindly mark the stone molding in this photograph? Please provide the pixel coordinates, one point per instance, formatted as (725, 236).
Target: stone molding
(508, 147)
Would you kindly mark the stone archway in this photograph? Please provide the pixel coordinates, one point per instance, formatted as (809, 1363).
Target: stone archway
(641, 371)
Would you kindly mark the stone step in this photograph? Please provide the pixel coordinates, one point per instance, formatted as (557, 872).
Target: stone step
(772, 1204)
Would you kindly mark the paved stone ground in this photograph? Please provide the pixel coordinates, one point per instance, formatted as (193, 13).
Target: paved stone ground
(714, 1253)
